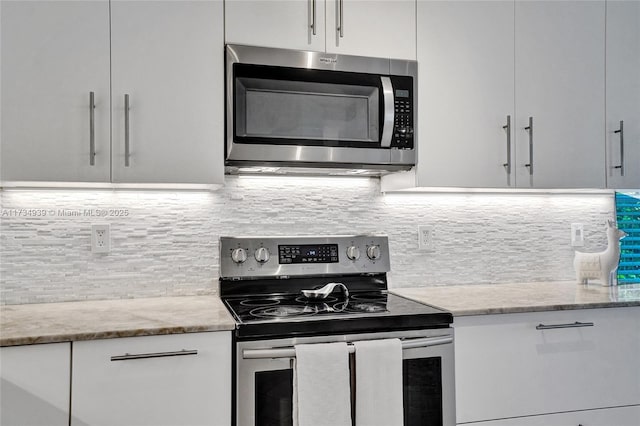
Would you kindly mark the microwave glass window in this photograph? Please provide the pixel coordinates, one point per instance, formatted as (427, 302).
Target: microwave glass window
(307, 110)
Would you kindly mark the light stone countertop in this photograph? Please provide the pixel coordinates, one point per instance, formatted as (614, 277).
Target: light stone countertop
(485, 299)
(104, 319)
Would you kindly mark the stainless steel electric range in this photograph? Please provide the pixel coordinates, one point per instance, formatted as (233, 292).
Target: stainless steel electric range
(284, 291)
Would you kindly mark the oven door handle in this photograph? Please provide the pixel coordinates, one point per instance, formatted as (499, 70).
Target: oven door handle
(290, 352)
(426, 342)
(389, 112)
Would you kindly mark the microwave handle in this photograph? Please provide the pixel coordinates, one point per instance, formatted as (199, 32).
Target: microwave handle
(389, 112)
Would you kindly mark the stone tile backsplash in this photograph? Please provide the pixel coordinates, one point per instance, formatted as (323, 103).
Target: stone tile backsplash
(165, 243)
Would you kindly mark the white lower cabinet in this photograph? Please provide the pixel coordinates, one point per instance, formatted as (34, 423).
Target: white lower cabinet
(620, 416)
(34, 385)
(512, 366)
(180, 379)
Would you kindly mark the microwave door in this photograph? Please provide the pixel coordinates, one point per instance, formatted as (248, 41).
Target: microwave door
(389, 116)
(273, 106)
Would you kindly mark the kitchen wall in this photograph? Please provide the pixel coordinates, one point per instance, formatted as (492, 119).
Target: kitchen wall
(165, 243)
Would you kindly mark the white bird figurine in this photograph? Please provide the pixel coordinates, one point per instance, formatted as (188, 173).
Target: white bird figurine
(601, 265)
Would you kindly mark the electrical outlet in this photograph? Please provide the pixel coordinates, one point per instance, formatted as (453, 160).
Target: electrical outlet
(425, 237)
(577, 235)
(101, 238)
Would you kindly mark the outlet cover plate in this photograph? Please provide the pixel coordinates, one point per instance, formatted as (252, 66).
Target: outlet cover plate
(100, 238)
(426, 237)
(577, 235)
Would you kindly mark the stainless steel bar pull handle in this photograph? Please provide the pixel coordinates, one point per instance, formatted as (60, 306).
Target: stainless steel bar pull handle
(313, 17)
(341, 18)
(290, 352)
(92, 129)
(507, 128)
(529, 128)
(127, 357)
(426, 342)
(576, 324)
(621, 131)
(126, 130)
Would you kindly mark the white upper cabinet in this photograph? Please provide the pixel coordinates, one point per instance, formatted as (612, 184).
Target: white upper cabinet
(559, 81)
(465, 83)
(485, 64)
(383, 28)
(623, 94)
(287, 24)
(54, 54)
(168, 58)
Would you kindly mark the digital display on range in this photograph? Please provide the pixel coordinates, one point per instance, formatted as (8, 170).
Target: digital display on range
(317, 253)
(402, 93)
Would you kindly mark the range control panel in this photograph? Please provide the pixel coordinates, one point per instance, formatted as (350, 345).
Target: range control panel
(315, 253)
(251, 257)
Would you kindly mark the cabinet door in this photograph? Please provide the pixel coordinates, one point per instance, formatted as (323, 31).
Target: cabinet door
(382, 28)
(287, 24)
(465, 52)
(167, 56)
(34, 384)
(506, 367)
(560, 83)
(621, 416)
(623, 93)
(168, 384)
(53, 55)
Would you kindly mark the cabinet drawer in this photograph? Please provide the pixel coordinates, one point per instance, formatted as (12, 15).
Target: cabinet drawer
(620, 416)
(510, 366)
(34, 385)
(180, 379)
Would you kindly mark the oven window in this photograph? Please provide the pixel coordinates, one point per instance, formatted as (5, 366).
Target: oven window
(274, 405)
(422, 383)
(422, 387)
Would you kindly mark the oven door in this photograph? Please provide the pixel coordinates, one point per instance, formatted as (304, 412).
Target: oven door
(264, 378)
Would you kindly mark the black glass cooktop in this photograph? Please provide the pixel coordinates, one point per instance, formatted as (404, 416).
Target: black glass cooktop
(364, 311)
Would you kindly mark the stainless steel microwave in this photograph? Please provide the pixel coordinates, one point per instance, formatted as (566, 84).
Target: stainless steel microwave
(312, 112)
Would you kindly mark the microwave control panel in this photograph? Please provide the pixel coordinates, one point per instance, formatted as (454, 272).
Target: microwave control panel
(403, 128)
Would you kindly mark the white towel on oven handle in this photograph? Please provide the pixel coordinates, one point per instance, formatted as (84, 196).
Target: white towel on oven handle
(321, 385)
(379, 397)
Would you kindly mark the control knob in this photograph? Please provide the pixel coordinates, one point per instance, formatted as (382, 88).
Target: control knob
(353, 253)
(262, 255)
(239, 255)
(373, 252)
